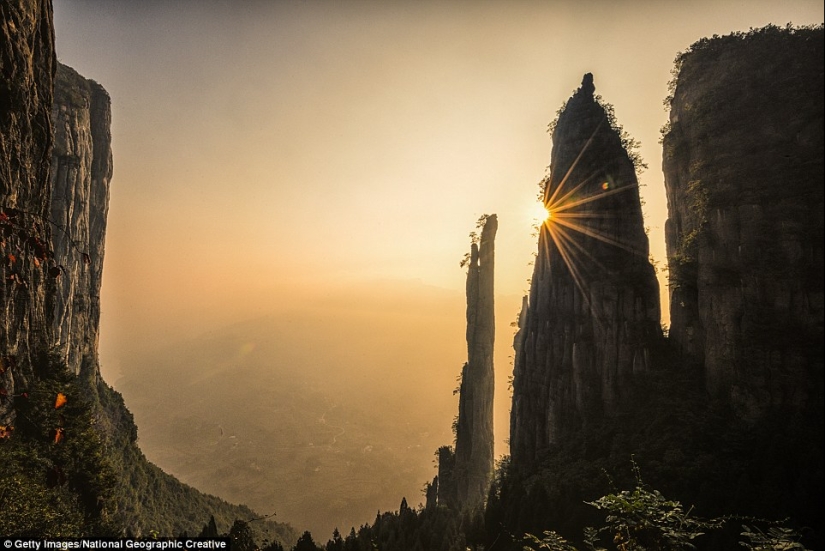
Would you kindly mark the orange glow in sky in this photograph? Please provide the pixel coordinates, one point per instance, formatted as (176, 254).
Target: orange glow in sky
(270, 157)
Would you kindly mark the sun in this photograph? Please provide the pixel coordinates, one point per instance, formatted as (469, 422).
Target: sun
(539, 213)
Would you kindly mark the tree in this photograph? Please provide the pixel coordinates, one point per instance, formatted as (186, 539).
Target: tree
(306, 543)
(274, 546)
(351, 543)
(210, 529)
(336, 543)
(241, 537)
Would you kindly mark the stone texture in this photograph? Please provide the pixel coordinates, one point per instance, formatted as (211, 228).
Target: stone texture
(81, 170)
(593, 309)
(27, 65)
(445, 480)
(474, 460)
(54, 192)
(743, 164)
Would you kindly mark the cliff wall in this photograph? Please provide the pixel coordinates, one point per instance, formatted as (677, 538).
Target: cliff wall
(27, 65)
(593, 310)
(743, 165)
(144, 497)
(81, 169)
(474, 430)
(731, 417)
(71, 469)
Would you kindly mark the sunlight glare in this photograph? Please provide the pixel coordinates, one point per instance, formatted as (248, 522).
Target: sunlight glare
(540, 213)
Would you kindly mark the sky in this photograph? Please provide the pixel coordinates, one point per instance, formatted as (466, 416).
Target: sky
(270, 155)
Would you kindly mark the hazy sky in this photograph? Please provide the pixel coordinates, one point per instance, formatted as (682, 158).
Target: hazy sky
(271, 153)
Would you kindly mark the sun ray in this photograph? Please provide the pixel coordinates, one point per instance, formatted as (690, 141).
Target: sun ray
(591, 306)
(574, 271)
(592, 198)
(586, 215)
(570, 193)
(562, 233)
(595, 235)
(572, 166)
(553, 207)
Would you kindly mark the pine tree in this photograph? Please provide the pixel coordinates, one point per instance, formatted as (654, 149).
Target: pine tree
(336, 543)
(306, 543)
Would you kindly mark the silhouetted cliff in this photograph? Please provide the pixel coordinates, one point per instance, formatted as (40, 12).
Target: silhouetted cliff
(593, 310)
(727, 412)
(474, 428)
(743, 164)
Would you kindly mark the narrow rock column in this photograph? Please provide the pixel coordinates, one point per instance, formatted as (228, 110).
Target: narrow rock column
(81, 170)
(474, 430)
(594, 300)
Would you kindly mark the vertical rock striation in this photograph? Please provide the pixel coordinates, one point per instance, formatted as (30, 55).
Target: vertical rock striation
(27, 65)
(743, 164)
(54, 191)
(81, 170)
(474, 430)
(593, 310)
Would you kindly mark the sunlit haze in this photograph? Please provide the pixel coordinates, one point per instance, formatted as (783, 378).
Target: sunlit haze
(321, 164)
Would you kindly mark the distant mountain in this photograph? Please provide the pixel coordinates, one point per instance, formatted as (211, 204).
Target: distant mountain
(323, 416)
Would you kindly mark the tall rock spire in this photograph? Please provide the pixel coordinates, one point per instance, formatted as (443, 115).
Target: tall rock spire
(81, 170)
(474, 430)
(593, 307)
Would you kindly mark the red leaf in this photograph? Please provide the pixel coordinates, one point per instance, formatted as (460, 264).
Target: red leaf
(60, 401)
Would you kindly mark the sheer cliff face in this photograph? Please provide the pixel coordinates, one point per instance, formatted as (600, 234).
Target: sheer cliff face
(54, 202)
(474, 431)
(81, 169)
(593, 309)
(27, 63)
(743, 164)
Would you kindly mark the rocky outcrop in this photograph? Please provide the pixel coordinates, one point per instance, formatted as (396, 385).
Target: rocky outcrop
(474, 426)
(743, 164)
(731, 419)
(54, 190)
(445, 481)
(27, 65)
(81, 169)
(593, 309)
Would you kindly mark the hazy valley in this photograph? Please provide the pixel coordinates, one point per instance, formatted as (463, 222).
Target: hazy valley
(319, 414)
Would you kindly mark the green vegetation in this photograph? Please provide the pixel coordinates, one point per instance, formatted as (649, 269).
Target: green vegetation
(149, 499)
(688, 446)
(643, 520)
(56, 477)
(71, 467)
(629, 143)
(767, 39)
(683, 265)
(70, 88)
